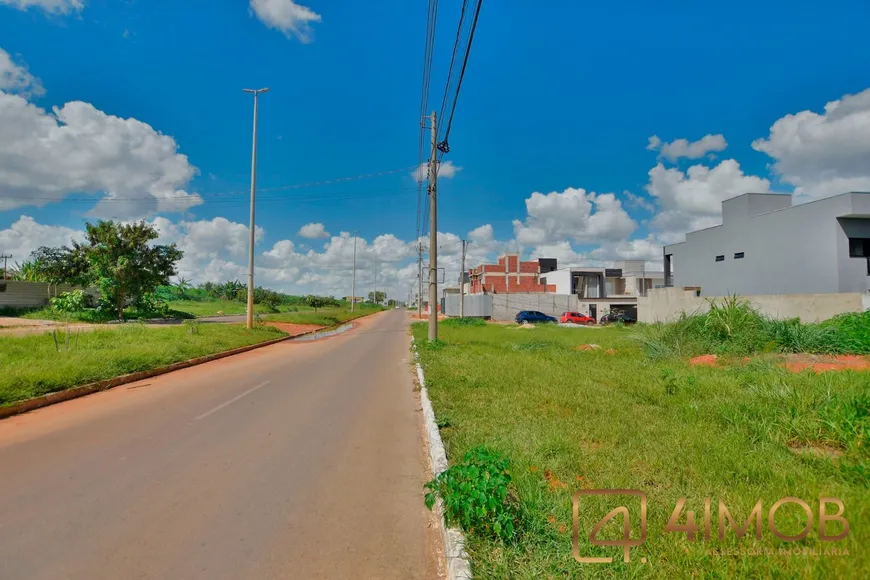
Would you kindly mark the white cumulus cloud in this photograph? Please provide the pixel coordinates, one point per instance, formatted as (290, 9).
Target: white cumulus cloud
(26, 235)
(313, 231)
(823, 154)
(572, 214)
(15, 78)
(76, 148)
(680, 148)
(287, 16)
(50, 6)
(693, 200)
(446, 170)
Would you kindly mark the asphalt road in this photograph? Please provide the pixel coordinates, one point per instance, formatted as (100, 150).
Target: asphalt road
(292, 461)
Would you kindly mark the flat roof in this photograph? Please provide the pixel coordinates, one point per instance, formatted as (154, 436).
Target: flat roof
(822, 199)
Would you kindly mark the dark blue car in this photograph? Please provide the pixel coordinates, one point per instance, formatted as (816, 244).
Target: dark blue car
(533, 316)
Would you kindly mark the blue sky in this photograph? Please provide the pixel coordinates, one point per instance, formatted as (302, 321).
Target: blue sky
(565, 95)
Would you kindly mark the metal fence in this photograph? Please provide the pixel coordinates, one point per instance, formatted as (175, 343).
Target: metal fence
(15, 294)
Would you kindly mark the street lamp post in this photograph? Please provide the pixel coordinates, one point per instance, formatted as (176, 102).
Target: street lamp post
(250, 317)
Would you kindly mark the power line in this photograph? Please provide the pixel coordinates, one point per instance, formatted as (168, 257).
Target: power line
(428, 52)
(207, 196)
(444, 146)
(453, 59)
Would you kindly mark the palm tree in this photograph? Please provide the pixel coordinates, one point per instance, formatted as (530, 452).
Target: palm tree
(182, 286)
(28, 271)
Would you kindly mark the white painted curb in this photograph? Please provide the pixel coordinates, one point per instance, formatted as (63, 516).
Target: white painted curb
(458, 566)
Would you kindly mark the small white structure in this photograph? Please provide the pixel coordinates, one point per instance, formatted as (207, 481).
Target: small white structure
(629, 279)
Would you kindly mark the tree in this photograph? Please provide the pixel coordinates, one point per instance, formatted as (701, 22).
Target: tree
(124, 265)
(27, 271)
(181, 287)
(377, 296)
(316, 302)
(62, 265)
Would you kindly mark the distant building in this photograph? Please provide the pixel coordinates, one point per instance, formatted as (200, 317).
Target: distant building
(355, 299)
(511, 275)
(766, 245)
(601, 290)
(627, 278)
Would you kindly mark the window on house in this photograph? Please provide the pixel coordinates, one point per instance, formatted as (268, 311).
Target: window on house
(720, 258)
(738, 255)
(859, 247)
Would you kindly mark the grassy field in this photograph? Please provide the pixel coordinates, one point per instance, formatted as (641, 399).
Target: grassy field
(324, 316)
(212, 307)
(90, 315)
(31, 366)
(570, 420)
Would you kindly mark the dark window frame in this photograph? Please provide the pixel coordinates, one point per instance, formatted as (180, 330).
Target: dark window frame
(738, 255)
(859, 247)
(720, 258)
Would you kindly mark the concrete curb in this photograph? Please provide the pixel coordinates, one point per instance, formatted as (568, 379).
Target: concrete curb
(91, 388)
(458, 566)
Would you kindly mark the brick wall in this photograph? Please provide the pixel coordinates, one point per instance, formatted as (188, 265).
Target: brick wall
(521, 277)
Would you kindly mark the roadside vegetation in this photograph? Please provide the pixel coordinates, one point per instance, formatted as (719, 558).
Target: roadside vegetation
(733, 327)
(31, 366)
(129, 277)
(325, 316)
(612, 417)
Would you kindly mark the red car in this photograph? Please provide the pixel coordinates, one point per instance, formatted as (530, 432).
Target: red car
(576, 318)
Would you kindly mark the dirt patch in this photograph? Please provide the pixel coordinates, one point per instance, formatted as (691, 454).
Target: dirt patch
(587, 347)
(553, 482)
(705, 360)
(425, 318)
(295, 329)
(824, 451)
(821, 363)
(12, 322)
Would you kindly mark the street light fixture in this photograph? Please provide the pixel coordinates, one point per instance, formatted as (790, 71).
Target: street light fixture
(250, 317)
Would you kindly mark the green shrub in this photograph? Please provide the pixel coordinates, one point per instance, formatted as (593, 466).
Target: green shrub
(794, 336)
(733, 327)
(74, 301)
(852, 331)
(477, 495)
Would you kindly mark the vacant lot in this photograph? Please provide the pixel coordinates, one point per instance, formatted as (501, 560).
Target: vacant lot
(572, 419)
(324, 316)
(31, 366)
(212, 307)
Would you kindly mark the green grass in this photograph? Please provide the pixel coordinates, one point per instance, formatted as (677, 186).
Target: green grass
(325, 316)
(212, 307)
(571, 419)
(31, 366)
(88, 315)
(733, 327)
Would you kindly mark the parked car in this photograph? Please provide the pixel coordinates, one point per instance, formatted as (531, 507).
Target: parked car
(576, 318)
(533, 316)
(622, 317)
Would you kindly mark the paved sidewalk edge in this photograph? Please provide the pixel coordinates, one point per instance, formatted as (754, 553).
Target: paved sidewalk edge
(458, 566)
(105, 385)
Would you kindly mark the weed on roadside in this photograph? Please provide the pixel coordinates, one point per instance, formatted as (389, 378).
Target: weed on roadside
(477, 495)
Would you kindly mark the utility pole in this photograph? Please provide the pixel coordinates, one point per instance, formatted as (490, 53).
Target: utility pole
(5, 258)
(420, 279)
(377, 267)
(433, 232)
(462, 282)
(250, 317)
(353, 279)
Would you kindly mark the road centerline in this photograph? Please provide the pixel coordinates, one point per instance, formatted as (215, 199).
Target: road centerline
(231, 401)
